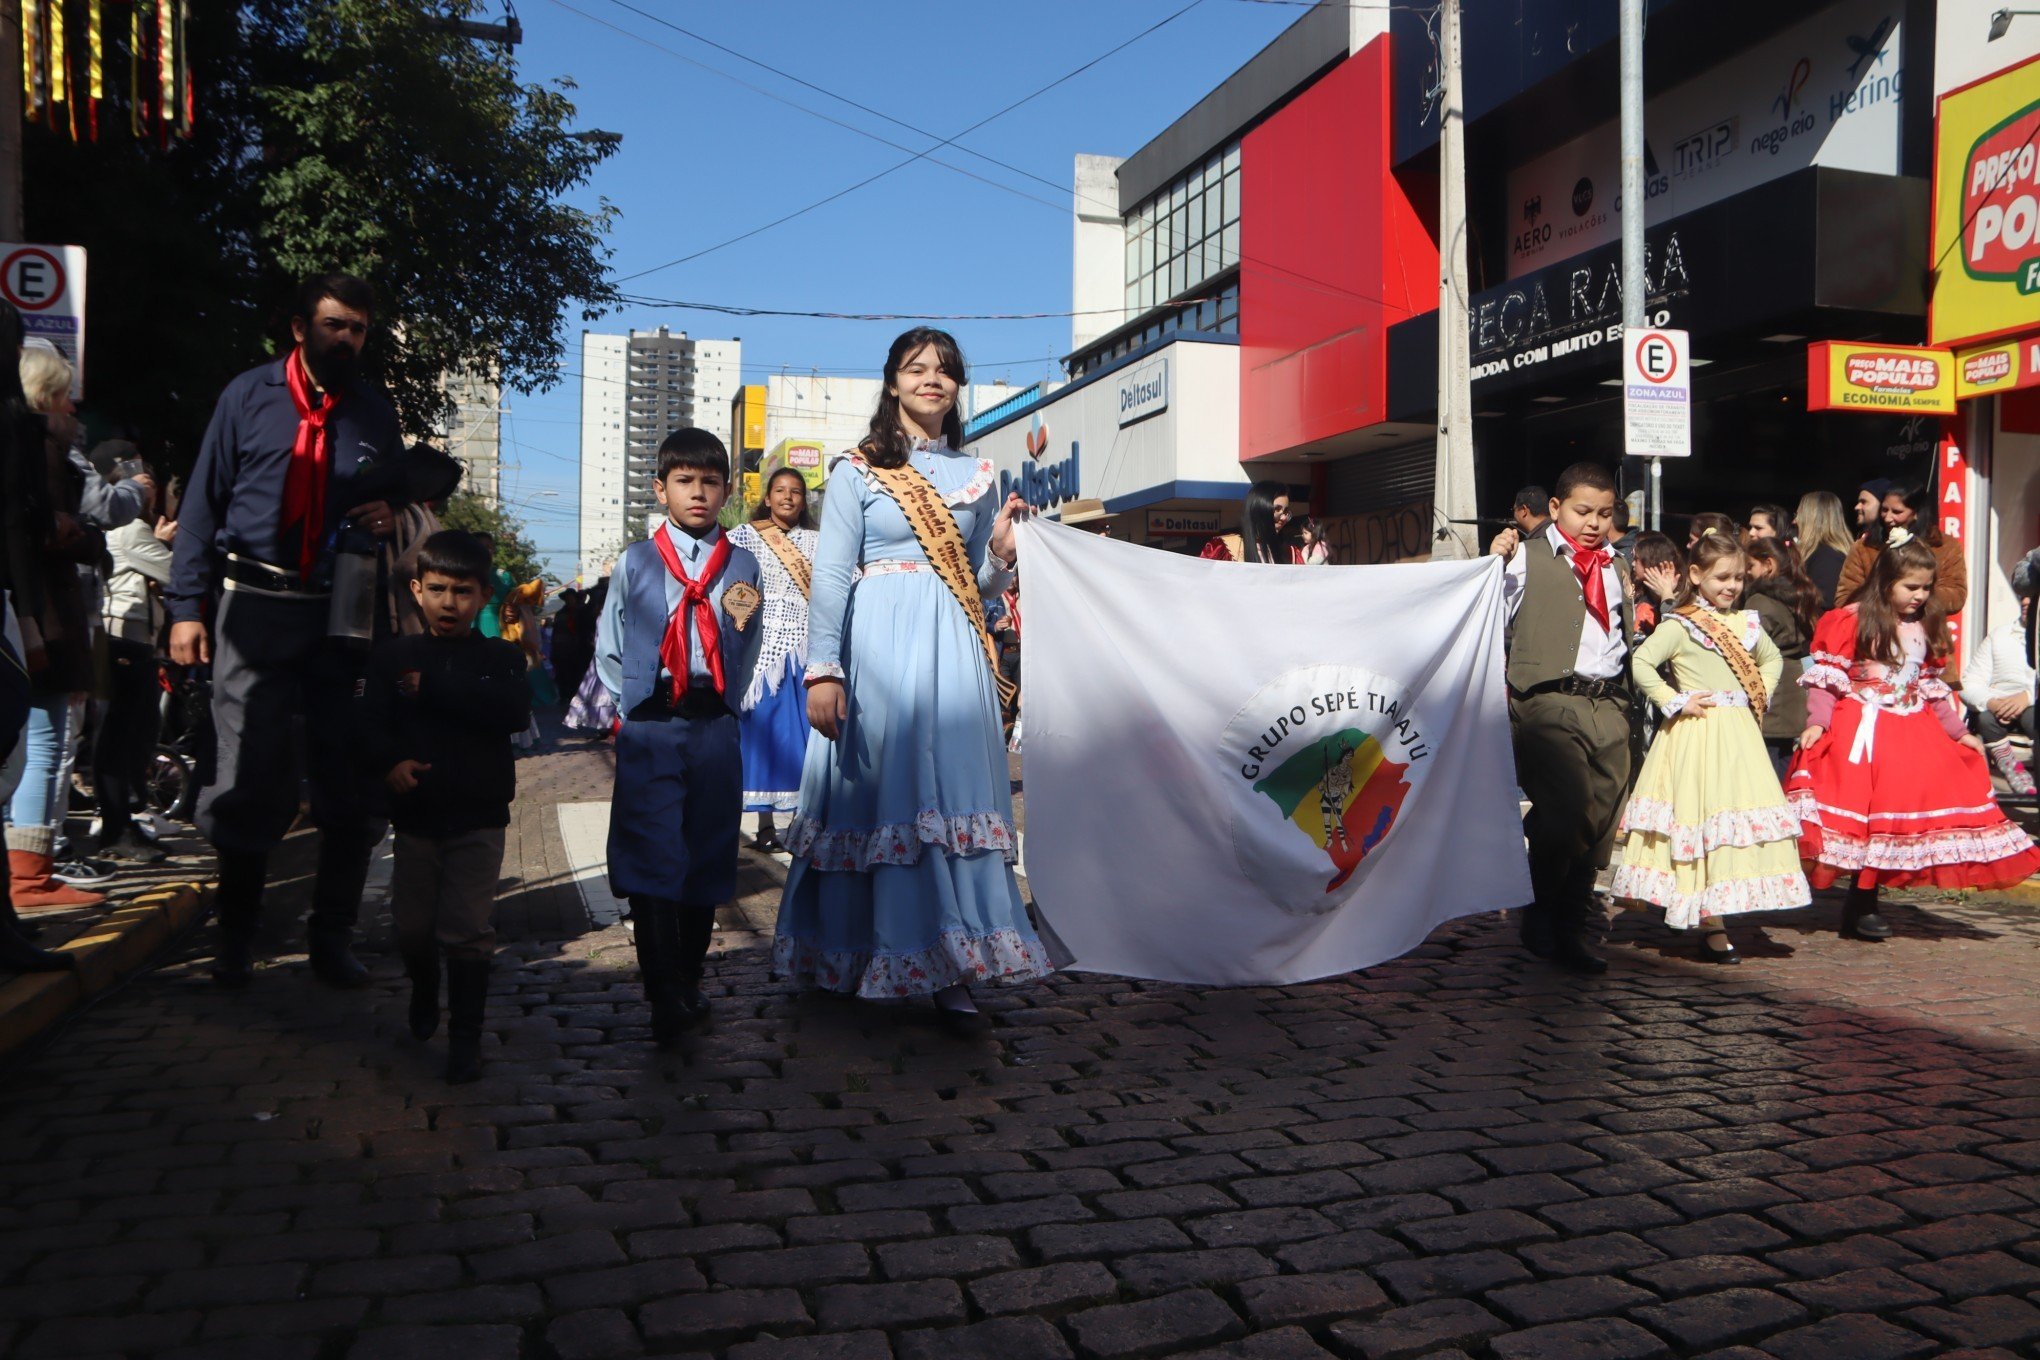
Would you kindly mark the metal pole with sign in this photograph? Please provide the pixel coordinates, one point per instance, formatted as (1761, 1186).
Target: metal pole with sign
(1657, 400)
(1635, 285)
(46, 284)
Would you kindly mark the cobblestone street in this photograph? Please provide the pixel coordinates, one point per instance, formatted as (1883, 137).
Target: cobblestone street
(1827, 1152)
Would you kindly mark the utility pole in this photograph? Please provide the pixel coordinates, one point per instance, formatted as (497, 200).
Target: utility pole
(1635, 287)
(1453, 502)
(11, 96)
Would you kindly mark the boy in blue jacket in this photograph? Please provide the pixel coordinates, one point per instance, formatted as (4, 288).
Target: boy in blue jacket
(675, 648)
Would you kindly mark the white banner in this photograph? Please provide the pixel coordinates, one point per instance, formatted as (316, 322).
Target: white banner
(1251, 774)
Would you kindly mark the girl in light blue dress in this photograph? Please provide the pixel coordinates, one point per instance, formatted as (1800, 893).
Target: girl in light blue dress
(903, 848)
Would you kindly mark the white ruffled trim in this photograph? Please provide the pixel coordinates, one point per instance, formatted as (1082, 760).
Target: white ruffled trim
(981, 477)
(856, 850)
(1753, 627)
(1850, 849)
(1683, 910)
(980, 482)
(1723, 698)
(1820, 672)
(1005, 955)
(1728, 829)
(824, 670)
(772, 800)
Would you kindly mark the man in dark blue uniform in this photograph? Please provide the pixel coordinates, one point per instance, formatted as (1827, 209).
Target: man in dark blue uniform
(271, 491)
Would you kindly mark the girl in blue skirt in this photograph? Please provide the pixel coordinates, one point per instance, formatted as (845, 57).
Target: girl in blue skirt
(781, 535)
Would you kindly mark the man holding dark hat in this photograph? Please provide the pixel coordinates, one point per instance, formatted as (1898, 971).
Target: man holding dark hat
(282, 487)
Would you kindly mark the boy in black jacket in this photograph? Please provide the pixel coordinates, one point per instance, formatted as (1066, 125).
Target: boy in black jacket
(439, 710)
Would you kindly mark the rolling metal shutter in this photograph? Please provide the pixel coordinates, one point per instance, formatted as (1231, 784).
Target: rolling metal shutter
(1380, 481)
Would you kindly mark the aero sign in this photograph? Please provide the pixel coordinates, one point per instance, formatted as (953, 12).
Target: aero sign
(1986, 251)
(46, 284)
(1657, 394)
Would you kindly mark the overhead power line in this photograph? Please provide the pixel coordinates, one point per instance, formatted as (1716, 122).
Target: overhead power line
(1063, 79)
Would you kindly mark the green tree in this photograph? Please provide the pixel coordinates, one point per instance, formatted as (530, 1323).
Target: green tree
(332, 134)
(514, 551)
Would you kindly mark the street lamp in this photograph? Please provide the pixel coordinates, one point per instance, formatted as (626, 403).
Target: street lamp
(2001, 20)
(509, 33)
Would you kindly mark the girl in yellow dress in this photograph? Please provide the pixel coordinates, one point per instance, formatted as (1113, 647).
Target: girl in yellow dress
(1707, 833)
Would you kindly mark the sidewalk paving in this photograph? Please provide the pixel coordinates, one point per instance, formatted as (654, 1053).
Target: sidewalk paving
(1829, 1151)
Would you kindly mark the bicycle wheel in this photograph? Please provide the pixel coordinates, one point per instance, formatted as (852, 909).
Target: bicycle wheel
(170, 790)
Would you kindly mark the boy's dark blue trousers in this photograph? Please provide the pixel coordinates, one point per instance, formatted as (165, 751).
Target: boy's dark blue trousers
(675, 818)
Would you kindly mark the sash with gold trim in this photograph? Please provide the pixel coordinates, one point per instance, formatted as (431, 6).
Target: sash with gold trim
(1740, 662)
(791, 557)
(935, 529)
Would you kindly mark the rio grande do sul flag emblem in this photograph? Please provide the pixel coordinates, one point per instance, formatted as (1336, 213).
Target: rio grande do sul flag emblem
(1320, 763)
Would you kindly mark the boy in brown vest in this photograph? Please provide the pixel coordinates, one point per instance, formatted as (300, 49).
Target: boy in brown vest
(1569, 704)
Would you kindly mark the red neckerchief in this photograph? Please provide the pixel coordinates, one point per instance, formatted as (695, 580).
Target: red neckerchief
(1587, 564)
(693, 600)
(311, 460)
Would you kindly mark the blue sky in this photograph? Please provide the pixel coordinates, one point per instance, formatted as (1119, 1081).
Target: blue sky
(705, 159)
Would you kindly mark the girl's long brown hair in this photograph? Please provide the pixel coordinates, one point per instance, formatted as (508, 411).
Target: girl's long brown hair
(762, 511)
(887, 445)
(1712, 547)
(1804, 595)
(1877, 622)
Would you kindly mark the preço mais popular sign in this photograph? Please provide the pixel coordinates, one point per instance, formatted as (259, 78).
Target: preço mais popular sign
(1986, 251)
(1879, 378)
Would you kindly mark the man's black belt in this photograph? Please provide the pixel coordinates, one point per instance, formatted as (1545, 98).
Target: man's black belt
(1578, 688)
(246, 571)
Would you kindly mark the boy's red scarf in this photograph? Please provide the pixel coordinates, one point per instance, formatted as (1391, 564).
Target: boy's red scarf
(311, 460)
(694, 602)
(1587, 564)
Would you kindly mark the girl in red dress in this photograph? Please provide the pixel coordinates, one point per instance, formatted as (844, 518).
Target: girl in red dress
(1888, 785)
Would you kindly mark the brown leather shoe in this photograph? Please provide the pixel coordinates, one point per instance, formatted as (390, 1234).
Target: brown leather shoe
(32, 888)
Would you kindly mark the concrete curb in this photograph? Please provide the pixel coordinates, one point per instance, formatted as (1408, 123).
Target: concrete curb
(114, 949)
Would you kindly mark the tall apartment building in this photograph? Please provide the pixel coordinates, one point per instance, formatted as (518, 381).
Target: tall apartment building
(473, 432)
(636, 389)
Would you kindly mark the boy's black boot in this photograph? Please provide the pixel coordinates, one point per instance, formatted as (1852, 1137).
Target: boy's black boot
(1860, 920)
(697, 931)
(421, 965)
(467, 996)
(655, 929)
(237, 902)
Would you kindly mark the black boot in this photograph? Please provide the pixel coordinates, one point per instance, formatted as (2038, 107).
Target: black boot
(238, 904)
(17, 952)
(336, 905)
(421, 965)
(767, 838)
(467, 996)
(655, 929)
(1574, 925)
(1860, 920)
(697, 932)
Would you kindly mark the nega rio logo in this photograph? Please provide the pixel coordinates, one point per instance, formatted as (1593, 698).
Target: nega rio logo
(1320, 765)
(2000, 210)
